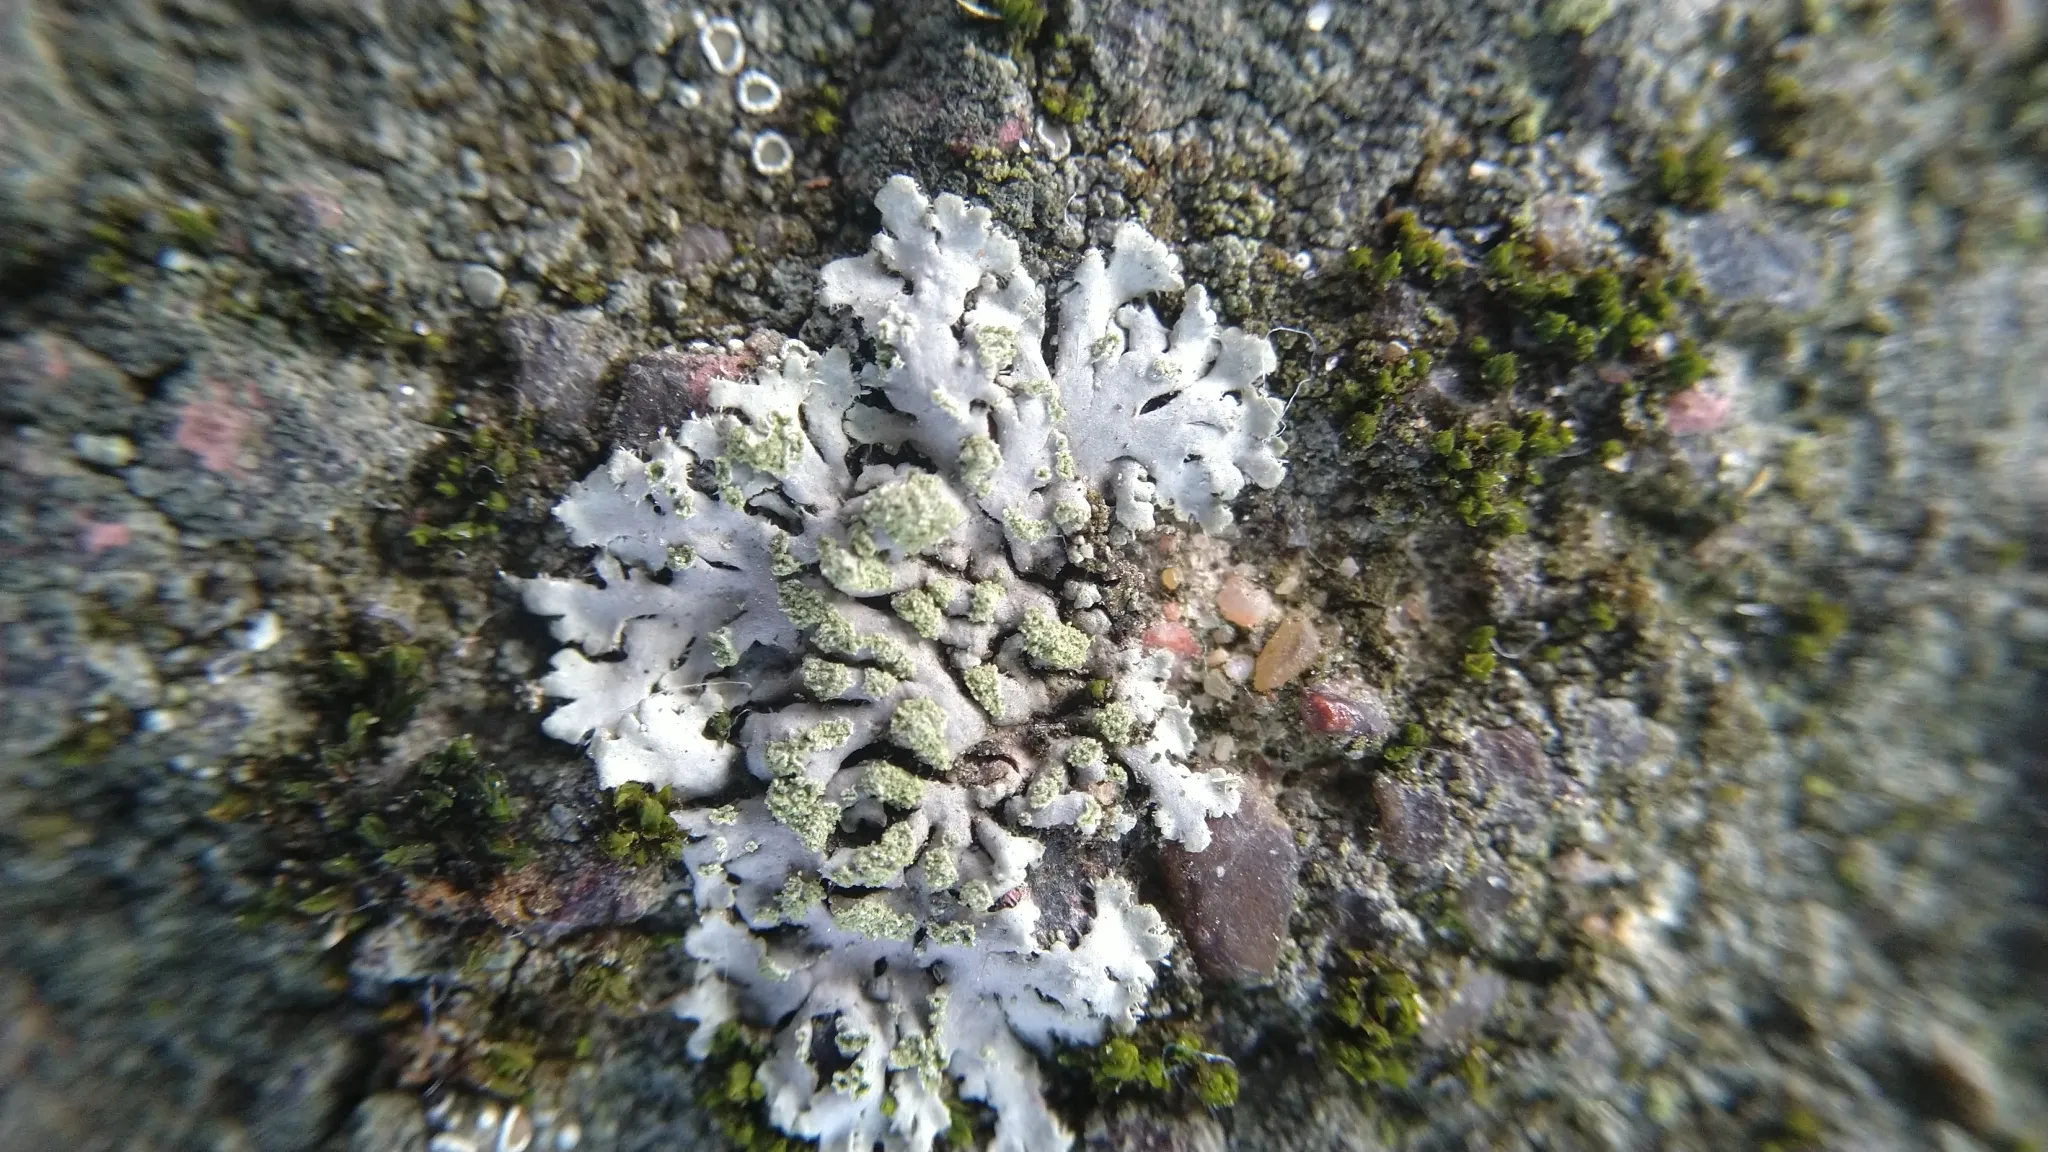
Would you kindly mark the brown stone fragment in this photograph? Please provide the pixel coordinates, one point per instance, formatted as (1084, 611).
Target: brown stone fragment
(1415, 822)
(1233, 898)
(1290, 651)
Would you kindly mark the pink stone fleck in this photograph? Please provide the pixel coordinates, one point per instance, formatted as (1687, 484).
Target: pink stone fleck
(97, 536)
(1242, 602)
(1172, 636)
(213, 430)
(1694, 411)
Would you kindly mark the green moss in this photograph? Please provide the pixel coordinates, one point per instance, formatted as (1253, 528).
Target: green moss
(504, 1066)
(1402, 748)
(1068, 102)
(733, 1094)
(641, 828)
(1478, 661)
(1691, 178)
(469, 481)
(1817, 626)
(1374, 1019)
(1363, 429)
(1499, 372)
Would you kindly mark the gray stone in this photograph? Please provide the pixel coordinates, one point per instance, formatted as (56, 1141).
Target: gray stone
(483, 285)
(1414, 822)
(562, 358)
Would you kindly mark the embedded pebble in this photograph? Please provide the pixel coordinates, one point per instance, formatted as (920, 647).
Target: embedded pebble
(483, 285)
(564, 163)
(1344, 708)
(1969, 1084)
(1318, 17)
(1172, 636)
(1414, 822)
(1234, 898)
(1290, 651)
(1242, 602)
(112, 451)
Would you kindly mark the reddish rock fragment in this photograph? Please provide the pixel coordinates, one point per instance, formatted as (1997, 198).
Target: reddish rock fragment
(1233, 899)
(1290, 651)
(666, 387)
(1344, 708)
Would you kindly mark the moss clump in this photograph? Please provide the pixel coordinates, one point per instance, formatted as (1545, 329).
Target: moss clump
(1374, 1020)
(456, 813)
(1167, 1063)
(376, 694)
(641, 829)
(1817, 626)
(1478, 661)
(470, 480)
(732, 1094)
(1402, 748)
(1691, 178)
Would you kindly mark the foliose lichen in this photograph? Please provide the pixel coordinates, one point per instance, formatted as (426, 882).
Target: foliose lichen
(862, 859)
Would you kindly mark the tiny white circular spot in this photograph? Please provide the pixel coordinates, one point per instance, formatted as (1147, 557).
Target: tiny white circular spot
(772, 154)
(757, 92)
(724, 48)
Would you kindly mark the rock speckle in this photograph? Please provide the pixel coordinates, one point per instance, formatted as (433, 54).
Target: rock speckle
(562, 357)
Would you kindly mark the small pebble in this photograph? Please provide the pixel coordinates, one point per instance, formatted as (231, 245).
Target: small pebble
(1291, 651)
(263, 633)
(483, 284)
(650, 77)
(1969, 1084)
(516, 1133)
(1243, 603)
(1169, 579)
(106, 451)
(564, 163)
(1172, 636)
(1344, 709)
(1319, 14)
(1216, 684)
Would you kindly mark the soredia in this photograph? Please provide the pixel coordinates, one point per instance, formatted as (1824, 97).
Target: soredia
(916, 732)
